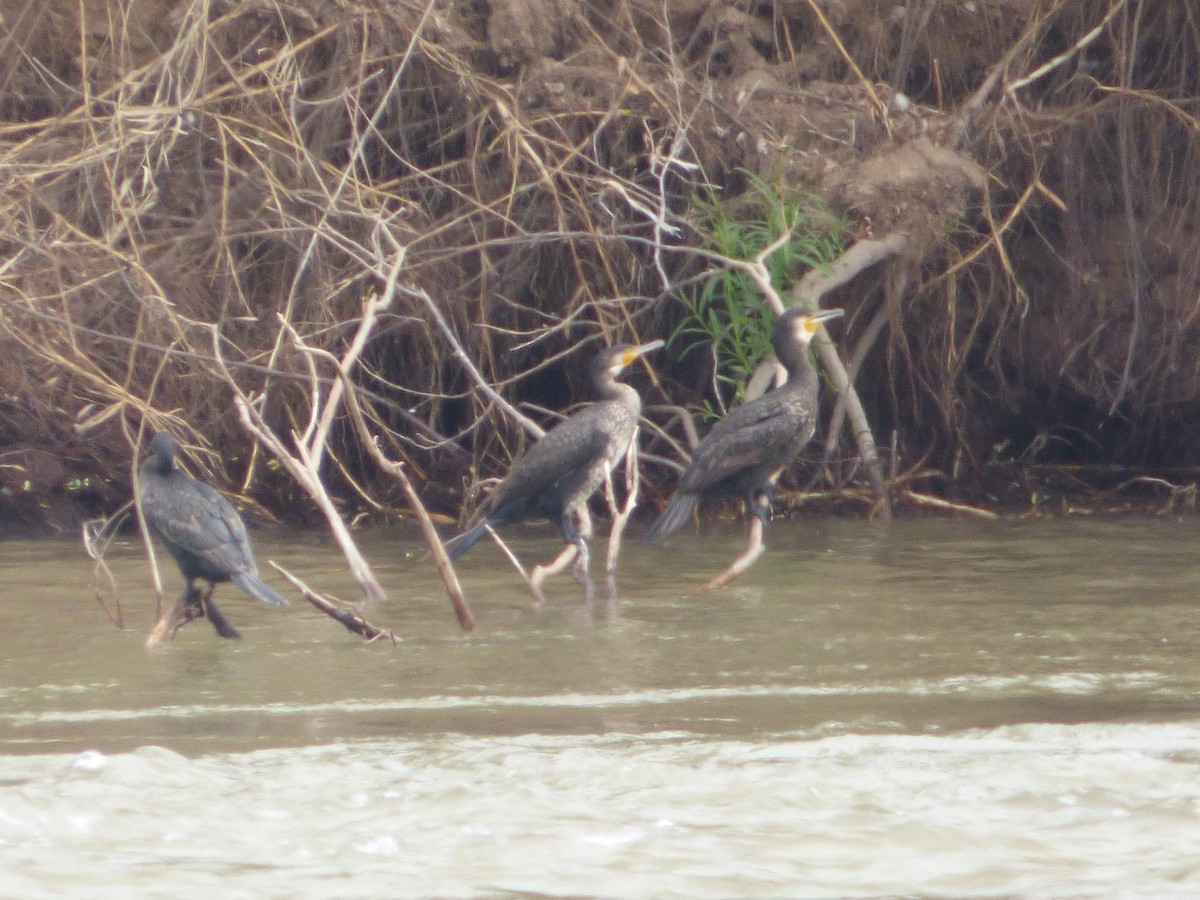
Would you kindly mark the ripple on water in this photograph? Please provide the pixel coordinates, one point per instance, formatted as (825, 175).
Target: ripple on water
(1065, 683)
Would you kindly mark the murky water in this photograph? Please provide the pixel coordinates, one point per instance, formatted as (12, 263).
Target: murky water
(951, 709)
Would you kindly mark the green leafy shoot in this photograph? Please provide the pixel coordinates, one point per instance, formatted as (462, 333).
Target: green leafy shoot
(727, 315)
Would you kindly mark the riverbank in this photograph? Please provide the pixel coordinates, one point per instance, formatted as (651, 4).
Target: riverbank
(204, 202)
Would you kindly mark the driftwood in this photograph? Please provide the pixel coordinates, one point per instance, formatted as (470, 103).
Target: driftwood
(348, 617)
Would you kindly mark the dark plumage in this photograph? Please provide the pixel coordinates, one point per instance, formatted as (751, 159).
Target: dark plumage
(200, 528)
(558, 474)
(746, 450)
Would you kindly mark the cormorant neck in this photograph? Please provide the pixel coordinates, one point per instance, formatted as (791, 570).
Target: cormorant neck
(162, 459)
(164, 463)
(795, 360)
(608, 388)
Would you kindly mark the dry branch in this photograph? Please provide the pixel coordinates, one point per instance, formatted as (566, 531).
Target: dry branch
(808, 292)
(304, 464)
(349, 618)
(454, 590)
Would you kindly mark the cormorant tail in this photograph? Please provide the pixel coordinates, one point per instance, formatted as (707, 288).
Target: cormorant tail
(458, 546)
(674, 517)
(257, 588)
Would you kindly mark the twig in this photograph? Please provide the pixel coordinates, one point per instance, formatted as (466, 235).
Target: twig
(97, 536)
(303, 464)
(620, 515)
(346, 616)
(1052, 64)
(461, 355)
(512, 557)
(833, 35)
(454, 590)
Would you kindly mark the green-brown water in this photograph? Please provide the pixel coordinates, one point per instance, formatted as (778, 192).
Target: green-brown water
(951, 709)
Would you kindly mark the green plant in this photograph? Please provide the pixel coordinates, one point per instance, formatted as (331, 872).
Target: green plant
(728, 314)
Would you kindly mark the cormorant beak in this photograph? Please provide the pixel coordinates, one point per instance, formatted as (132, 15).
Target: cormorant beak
(634, 352)
(814, 320)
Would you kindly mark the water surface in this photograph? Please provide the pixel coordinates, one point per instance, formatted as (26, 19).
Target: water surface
(947, 709)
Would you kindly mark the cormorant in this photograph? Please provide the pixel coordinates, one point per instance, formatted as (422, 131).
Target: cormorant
(745, 452)
(561, 471)
(202, 531)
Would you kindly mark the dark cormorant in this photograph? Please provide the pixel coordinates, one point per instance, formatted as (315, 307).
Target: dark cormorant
(202, 530)
(561, 471)
(745, 452)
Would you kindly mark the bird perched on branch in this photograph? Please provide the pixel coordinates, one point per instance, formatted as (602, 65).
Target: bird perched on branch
(561, 471)
(202, 530)
(746, 451)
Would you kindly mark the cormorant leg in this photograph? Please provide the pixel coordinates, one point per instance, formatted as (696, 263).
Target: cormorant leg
(754, 549)
(620, 518)
(758, 503)
(185, 608)
(582, 576)
(583, 560)
(222, 625)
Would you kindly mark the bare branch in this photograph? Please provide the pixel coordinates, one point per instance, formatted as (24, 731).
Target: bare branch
(396, 469)
(348, 617)
(808, 293)
(302, 465)
(461, 355)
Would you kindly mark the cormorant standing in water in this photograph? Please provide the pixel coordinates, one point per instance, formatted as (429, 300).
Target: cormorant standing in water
(202, 530)
(560, 472)
(745, 452)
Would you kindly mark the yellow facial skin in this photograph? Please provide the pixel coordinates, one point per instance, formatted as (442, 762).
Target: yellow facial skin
(634, 352)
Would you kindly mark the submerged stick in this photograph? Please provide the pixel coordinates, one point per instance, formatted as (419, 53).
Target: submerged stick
(462, 612)
(349, 619)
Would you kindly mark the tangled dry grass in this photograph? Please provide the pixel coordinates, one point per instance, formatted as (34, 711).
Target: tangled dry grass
(179, 172)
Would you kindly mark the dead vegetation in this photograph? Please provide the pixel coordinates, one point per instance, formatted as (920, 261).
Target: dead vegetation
(179, 172)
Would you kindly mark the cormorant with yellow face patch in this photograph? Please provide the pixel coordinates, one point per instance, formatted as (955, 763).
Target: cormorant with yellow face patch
(746, 451)
(561, 471)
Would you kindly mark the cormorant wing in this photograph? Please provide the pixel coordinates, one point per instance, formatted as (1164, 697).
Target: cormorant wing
(749, 436)
(564, 450)
(196, 518)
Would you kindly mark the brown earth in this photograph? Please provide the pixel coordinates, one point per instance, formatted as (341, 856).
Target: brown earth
(173, 164)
